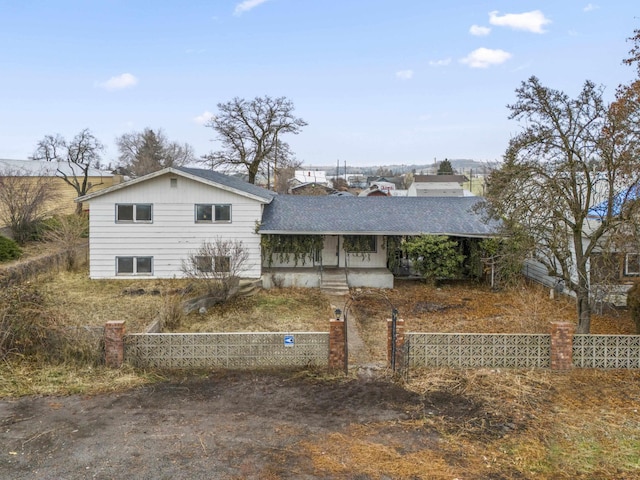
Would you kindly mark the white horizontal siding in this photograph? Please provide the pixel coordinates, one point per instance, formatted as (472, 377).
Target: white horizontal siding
(173, 234)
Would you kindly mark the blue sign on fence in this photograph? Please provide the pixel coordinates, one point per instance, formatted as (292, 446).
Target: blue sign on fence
(288, 341)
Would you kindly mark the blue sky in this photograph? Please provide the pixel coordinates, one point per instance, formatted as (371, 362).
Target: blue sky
(378, 81)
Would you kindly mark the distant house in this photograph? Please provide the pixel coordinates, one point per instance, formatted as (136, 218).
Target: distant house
(64, 193)
(147, 227)
(437, 186)
(374, 191)
(310, 176)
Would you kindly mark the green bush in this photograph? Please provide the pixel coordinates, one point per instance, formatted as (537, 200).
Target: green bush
(9, 250)
(435, 256)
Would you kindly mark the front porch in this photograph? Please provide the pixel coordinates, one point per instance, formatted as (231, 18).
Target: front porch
(312, 277)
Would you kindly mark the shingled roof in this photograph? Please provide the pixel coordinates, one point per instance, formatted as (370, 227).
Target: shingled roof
(453, 216)
(229, 181)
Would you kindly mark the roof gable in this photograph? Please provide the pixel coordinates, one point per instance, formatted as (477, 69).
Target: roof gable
(209, 177)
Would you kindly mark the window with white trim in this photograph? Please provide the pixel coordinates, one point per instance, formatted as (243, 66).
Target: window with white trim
(134, 265)
(134, 213)
(632, 265)
(209, 264)
(210, 213)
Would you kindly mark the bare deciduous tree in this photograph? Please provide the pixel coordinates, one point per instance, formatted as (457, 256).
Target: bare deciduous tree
(24, 201)
(251, 134)
(149, 151)
(572, 154)
(79, 155)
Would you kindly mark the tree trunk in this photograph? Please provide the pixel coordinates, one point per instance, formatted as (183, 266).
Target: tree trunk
(584, 309)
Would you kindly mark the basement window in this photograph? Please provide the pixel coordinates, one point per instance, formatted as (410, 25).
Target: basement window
(134, 265)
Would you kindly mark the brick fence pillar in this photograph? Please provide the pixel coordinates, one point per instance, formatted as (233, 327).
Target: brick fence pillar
(562, 345)
(114, 343)
(399, 340)
(337, 337)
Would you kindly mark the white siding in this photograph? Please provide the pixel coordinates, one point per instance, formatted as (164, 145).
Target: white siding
(173, 233)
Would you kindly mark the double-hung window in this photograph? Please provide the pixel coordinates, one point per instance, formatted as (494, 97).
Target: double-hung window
(134, 213)
(212, 213)
(632, 265)
(209, 264)
(134, 265)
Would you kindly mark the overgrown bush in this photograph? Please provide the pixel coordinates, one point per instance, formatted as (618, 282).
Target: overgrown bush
(28, 330)
(435, 256)
(69, 231)
(633, 303)
(9, 250)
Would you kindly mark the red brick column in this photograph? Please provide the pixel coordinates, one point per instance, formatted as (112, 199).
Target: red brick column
(337, 336)
(399, 339)
(562, 345)
(114, 343)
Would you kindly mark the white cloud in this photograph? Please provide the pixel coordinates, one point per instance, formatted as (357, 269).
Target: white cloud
(485, 57)
(405, 74)
(246, 6)
(204, 118)
(126, 80)
(479, 31)
(590, 7)
(440, 63)
(533, 21)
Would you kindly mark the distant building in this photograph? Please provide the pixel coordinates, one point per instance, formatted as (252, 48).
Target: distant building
(311, 176)
(438, 186)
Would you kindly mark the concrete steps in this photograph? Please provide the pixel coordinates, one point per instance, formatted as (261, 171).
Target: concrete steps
(334, 282)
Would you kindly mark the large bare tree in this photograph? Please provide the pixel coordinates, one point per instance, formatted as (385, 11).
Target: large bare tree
(251, 132)
(572, 155)
(79, 155)
(149, 151)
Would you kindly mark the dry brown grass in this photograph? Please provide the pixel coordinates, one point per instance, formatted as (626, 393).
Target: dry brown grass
(280, 310)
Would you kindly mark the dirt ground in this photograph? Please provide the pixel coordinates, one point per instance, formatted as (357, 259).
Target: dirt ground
(219, 426)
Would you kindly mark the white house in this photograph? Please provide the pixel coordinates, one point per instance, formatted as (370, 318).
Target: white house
(437, 186)
(146, 227)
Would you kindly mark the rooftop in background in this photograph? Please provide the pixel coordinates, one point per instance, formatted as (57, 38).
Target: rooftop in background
(311, 176)
(440, 178)
(41, 168)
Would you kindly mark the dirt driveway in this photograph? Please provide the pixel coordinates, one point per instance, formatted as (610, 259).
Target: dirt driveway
(221, 426)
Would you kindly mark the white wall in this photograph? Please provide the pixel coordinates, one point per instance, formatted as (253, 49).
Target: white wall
(173, 234)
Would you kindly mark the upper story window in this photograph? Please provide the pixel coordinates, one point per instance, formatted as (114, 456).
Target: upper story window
(208, 213)
(632, 264)
(134, 213)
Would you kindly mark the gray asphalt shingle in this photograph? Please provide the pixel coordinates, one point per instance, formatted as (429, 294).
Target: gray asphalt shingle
(376, 215)
(228, 181)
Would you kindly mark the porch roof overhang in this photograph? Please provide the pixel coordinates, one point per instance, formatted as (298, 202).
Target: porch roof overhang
(452, 216)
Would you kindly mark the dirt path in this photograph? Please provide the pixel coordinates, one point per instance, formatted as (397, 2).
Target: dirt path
(225, 426)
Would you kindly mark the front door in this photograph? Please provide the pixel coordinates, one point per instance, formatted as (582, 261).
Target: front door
(331, 251)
